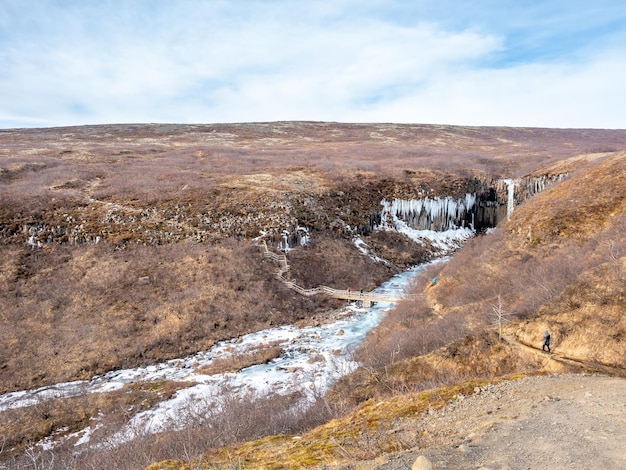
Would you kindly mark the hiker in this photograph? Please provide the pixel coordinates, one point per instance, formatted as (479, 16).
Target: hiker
(546, 341)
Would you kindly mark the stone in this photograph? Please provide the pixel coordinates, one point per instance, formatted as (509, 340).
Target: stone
(383, 459)
(422, 463)
(464, 448)
(364, 466)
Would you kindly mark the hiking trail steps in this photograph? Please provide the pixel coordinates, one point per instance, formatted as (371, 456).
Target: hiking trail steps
(367, 298)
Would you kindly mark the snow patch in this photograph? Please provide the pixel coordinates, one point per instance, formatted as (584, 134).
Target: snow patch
(363, 248)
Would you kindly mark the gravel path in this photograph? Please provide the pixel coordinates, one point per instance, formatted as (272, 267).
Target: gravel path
(545, 422)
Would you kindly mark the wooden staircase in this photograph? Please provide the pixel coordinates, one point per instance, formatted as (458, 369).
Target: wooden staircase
(366, 298)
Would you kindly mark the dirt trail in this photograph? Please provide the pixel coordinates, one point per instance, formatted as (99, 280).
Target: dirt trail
(570, 421)
(566, 420)
(585, 366)
(573, 421)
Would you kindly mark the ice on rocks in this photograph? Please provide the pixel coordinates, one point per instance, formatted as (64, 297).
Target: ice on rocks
(431, 214)
(443, 214)
(293, 371)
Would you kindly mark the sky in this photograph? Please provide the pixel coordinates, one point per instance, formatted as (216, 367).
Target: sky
(544, 63)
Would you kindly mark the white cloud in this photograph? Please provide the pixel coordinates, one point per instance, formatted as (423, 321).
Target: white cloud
(192, 61)
(329, 73)
(544, 95)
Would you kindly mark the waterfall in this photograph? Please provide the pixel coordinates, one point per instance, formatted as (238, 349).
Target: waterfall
(510, 185)
(474, 211)
(299, 236)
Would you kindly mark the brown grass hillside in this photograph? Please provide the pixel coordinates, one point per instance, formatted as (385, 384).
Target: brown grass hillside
(130, 244)
(557, 264)
(145, 229)
(568, 279)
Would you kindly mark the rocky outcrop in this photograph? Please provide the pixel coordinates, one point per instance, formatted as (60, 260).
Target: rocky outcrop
(287, 220)
(492, 202)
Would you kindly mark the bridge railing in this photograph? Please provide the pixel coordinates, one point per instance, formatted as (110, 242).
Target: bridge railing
(366, 297)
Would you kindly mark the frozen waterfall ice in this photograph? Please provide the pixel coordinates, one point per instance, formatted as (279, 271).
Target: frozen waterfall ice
(439, 214)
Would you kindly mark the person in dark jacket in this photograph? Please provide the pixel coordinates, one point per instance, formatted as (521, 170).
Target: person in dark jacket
(546, 341)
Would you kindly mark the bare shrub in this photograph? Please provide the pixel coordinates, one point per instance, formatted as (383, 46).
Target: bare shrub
(499, 315)
(393, 342)
(542, 281)
(467, 279)
(205, 426)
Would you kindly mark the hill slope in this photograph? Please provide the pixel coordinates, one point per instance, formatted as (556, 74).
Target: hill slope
(555, 421)
(566, 274)
(125, 245)
(113, 285)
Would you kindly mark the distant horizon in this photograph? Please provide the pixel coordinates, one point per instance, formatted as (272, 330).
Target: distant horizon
(555, 64)
(307, 121)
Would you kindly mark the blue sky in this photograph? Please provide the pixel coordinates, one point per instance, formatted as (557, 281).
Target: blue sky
(474, 62)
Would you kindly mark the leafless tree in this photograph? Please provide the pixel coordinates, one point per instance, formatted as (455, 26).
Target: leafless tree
(499, 315)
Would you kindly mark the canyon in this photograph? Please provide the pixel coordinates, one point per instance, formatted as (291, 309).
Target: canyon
(128, 246)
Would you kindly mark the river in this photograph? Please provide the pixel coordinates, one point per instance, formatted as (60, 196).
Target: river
(330, 345)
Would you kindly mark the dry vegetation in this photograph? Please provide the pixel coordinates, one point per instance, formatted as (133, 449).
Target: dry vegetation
(173, 209)
(146, 254)
(569, 280)
(360, 435)
(23, 427)
(74, 312)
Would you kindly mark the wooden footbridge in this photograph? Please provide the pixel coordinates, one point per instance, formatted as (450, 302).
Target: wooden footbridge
(367, 298)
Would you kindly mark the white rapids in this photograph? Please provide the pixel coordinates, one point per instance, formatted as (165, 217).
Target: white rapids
(312, 359)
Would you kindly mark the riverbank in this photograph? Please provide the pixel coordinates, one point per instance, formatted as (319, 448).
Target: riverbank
(310, 358)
